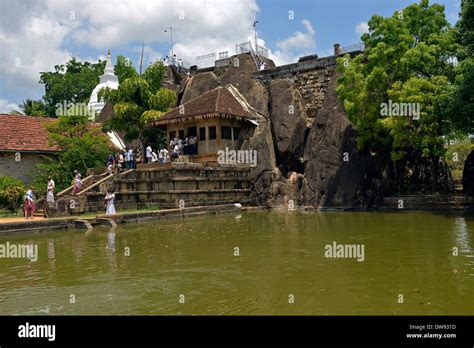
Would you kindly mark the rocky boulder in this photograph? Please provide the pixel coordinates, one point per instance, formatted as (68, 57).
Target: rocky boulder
(288, 117)
(468, 175)
(337, 175)
(198, 85)
(239, 74)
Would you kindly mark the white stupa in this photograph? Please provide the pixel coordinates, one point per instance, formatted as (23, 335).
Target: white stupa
(108, 79)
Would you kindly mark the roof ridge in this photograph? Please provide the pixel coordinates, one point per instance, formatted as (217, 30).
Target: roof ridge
(217, 100)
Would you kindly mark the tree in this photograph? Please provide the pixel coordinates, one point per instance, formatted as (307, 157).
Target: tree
(124, 68)
(82, 146)
(72, 82)
(462, 97)
(137, 101)
(31, 107)
(408, 61)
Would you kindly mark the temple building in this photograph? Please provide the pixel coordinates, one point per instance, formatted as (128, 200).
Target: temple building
(108, 79)
(217, 118)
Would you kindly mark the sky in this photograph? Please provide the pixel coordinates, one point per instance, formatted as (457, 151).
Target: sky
(36, 35)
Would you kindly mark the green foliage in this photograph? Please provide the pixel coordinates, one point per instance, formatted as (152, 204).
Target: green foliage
(408, 58)
(72, 82)
(137, 101)
(83, 146)
(460, 100)
(31, 107)
(456, 155)
(11, 193)
(124, 68)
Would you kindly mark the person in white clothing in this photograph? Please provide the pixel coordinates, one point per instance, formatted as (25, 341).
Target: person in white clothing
(149, 151)
(50, 193)
(154, 157)
(109, 203)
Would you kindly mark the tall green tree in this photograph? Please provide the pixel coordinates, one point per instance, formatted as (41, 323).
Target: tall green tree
(82, 146)
(124, 68)
(72, 82)
(408, 58)
(137, 101)
(31, 107)
(462, 110)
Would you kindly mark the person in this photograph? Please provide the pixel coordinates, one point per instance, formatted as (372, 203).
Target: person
(192, 145)
(148, 153)
(186, 147)
(110, 160)
(160, 155)
(77, 184)
(121, 161)
(126, 159)
(131, 158)
(165, 155)
(50, 190)
(29, 204)
(154, 157)
(109, 202)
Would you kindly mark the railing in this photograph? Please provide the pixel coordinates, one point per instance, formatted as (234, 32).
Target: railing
(353, 48)
(246, 47)
(261, 51)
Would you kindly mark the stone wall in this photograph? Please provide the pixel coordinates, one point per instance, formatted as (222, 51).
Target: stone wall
(22, 169)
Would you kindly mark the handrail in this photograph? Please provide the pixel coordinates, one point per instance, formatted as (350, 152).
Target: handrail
(95, 184)
(101, 181)
(72, 186)
(254, 56)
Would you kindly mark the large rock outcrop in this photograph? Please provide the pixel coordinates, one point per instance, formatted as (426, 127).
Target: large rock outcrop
(468, 175)
(288, 117)
(199, 84)
(239, 74)
(337, 175)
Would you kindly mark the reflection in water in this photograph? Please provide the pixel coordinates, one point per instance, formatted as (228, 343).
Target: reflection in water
(462, 234)
(280, 253)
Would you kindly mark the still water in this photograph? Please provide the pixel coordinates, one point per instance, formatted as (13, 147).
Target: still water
(247, 264)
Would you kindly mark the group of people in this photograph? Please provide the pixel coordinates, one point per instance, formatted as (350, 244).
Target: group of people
(123, 160)
(186, 146)
(177, 62)
(151, 156)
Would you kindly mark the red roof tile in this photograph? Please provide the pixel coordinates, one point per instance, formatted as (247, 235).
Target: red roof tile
(218, 102)
(25, 133)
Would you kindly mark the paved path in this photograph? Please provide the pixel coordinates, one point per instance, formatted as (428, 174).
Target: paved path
(20, 219)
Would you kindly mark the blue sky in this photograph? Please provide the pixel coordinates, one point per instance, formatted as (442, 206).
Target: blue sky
(39, 34)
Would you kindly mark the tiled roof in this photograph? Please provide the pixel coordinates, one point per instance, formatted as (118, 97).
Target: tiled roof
(218, 102)
(25, 133)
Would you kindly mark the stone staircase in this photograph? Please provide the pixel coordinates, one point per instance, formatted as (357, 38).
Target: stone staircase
(169, 185)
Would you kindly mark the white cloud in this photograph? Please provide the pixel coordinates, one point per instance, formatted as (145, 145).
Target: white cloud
(362, 28)
(6, 107)
(295, 46)
(33, 34)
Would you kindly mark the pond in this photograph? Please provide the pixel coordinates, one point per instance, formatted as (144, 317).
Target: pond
(259, 263)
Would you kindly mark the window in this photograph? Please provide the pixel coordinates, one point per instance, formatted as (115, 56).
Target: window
(212, 133)
(172, 135)
(226, 132)
(236, 133)
(181, 133)
(202, 133)
(192, 131)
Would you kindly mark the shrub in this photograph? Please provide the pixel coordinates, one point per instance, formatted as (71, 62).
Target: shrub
(11, 193)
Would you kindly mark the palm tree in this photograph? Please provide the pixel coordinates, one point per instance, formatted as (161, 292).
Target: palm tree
(31, 107)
